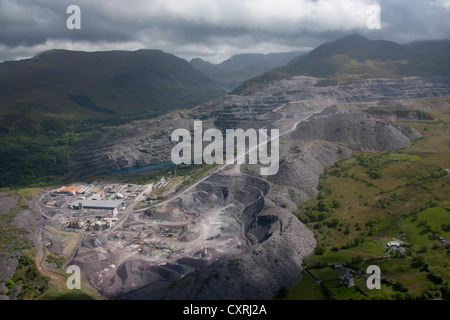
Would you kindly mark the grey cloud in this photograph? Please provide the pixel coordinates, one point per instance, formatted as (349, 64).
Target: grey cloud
(210, 28)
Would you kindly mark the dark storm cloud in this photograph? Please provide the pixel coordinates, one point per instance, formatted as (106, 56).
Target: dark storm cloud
(406, 21)
(25, 23)
(212, 29)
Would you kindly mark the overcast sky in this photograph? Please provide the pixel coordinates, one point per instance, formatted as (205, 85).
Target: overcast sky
(211, 29)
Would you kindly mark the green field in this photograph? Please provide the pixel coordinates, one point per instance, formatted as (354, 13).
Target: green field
(404, 156)
(371, 199)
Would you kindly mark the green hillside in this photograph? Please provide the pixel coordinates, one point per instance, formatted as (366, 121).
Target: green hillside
(355, 57)
(76, 86)
(359, 57)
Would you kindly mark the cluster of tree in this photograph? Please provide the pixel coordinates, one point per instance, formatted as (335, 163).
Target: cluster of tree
(27, 162)
(403, 293)
(32, 283)
(353, 243)
(319, 212)
(372, 161)
(434, 175)
(54, 126)
(445, 227)
(435, 278)
(320, 250)
(371, 227)
(333, 222)
(56, 259)
(435, 292)
(323, 188)
(403, 296)
(422, 115)
(439, 173)
(385, 202)
(375, 174)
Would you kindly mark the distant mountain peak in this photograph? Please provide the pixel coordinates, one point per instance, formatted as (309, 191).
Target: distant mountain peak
(92, 85)
(340, 46)
(241, 67)
(199, 62)
(354, 37)
(356, 57)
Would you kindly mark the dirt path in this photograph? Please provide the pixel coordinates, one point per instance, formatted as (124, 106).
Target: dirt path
(55, 277)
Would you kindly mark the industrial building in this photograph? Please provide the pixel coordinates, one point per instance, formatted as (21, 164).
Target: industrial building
(96, 204)
(73, 190)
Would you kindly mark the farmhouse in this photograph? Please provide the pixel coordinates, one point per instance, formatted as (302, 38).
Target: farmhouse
(394, 244)
(348, 280)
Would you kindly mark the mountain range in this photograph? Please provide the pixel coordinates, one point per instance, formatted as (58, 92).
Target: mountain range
(57, 97)
(62, 85)
(67, 85)
(355, 57)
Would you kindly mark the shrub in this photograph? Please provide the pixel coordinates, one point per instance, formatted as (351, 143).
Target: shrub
(282, 293)
(336, 204)
(9, 284)
(333, 223)
(435, 278)
(418, 262)
(303, 218)
(324, 206)
(398, 286)
(322, 216)
(375, 174)
(445, 291)
(319, 250)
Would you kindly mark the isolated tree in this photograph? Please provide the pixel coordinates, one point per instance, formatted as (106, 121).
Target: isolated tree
(333, 223)
(324, 206)
(336, 204)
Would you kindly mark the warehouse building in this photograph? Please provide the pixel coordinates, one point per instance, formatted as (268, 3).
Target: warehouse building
(96, 204)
